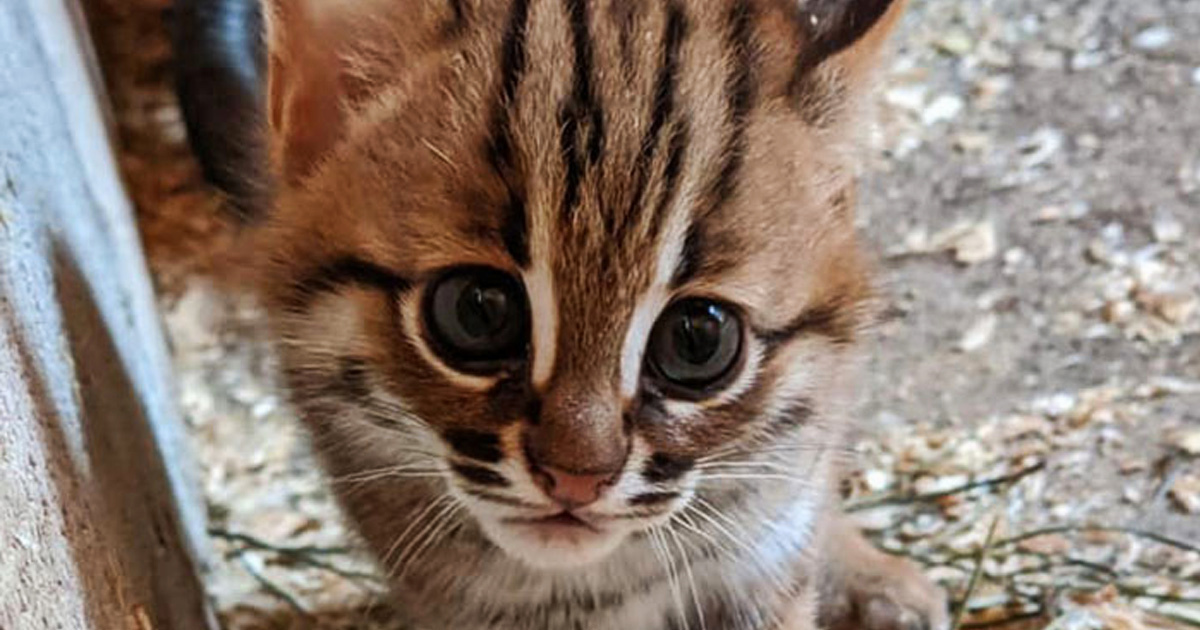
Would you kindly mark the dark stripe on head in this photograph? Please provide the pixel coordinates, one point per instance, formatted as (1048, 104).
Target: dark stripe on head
(515, 230)
(339, 273)
(663, 467)
(513, 59)
(480, 476)
(477, 445)
(653, 498)
(582, 112)
(457, 23)
(834, 320)
(741, 92)
(676, 155)
(459, 9)
(794, 415)
(666, 86)
(585, 94)
(568, 124)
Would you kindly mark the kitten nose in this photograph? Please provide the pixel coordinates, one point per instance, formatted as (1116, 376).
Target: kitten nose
(573, 490)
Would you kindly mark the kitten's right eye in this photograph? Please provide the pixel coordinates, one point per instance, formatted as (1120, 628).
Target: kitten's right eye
(694, 347)
(477, 317)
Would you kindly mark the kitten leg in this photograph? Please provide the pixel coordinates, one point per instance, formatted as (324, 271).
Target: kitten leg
(864, 588)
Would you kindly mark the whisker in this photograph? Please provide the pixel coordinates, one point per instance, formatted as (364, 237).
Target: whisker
(446, 525)
(753, 477)
(417, 520)
(755, 555)
(684, 519)
(658, 541)
(747, 464)
(750, 450)
(392, 471)
(448, 509)
(687, 567)
(628, 516)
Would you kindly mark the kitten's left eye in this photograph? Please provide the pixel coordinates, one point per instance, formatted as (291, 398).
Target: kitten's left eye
(477, 316)
(694, 346)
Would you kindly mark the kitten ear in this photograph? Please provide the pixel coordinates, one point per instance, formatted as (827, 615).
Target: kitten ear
(848, 32)
(310, 78)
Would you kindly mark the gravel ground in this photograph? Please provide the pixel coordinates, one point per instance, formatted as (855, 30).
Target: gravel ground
(1032, 197)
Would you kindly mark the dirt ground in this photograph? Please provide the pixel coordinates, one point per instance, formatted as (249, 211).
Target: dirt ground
(1033, 197)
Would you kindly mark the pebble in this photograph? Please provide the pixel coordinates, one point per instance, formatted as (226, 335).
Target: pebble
(1055, 405)
(1071, 212)
(1045, 59)
(987, 92)
(1014, 257)
(1051, 544)
(1174, 307)
(879, 519)
(935, 485)
(972, 141)
(877, 480)
(944, 108)
(1098, 251)
(1042, 145)
(1167, 229)
(1153, 38)
(1185, 494)
(955, 42)
(1118, 312)
(910, 98)
(979, 334)
(975, 244)
(1087, 60)
(1189, 442)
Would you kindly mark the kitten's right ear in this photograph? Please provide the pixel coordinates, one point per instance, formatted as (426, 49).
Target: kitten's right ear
(305, 82)
(320, 55)
(849, 33)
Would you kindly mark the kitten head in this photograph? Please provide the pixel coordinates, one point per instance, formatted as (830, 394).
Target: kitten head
(565, 270)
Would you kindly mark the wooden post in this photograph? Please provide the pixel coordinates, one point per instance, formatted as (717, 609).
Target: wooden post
(100, 524)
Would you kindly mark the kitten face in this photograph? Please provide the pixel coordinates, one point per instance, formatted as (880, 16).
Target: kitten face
(585, 268)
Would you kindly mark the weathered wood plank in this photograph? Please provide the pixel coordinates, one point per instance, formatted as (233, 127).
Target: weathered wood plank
(100, 526)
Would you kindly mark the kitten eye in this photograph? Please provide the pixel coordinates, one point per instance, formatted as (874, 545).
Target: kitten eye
(477, 315)
(695, 345)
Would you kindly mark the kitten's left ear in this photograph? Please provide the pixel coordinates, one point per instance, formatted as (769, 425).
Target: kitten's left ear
(316, 54)
(849, 33)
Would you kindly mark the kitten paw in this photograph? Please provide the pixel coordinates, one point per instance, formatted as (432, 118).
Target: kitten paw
(897, 597)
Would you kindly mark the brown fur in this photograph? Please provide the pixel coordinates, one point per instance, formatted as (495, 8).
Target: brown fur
(408, 144)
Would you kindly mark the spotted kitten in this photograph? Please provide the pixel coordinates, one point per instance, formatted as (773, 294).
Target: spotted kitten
(568, 294)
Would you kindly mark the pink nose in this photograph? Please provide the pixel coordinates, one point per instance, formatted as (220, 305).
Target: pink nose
(571, 490)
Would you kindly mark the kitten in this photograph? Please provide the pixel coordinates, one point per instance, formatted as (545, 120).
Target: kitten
(568, 294)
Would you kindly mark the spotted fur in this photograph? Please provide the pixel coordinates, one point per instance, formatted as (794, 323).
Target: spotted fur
(614, 156)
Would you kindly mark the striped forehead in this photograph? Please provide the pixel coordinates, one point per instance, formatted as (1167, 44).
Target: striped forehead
(620, 130)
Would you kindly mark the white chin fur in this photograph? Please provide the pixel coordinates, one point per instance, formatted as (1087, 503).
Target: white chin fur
(558, 552)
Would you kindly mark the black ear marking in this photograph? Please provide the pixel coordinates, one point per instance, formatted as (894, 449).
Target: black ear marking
(834, 25)
(220, 77)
